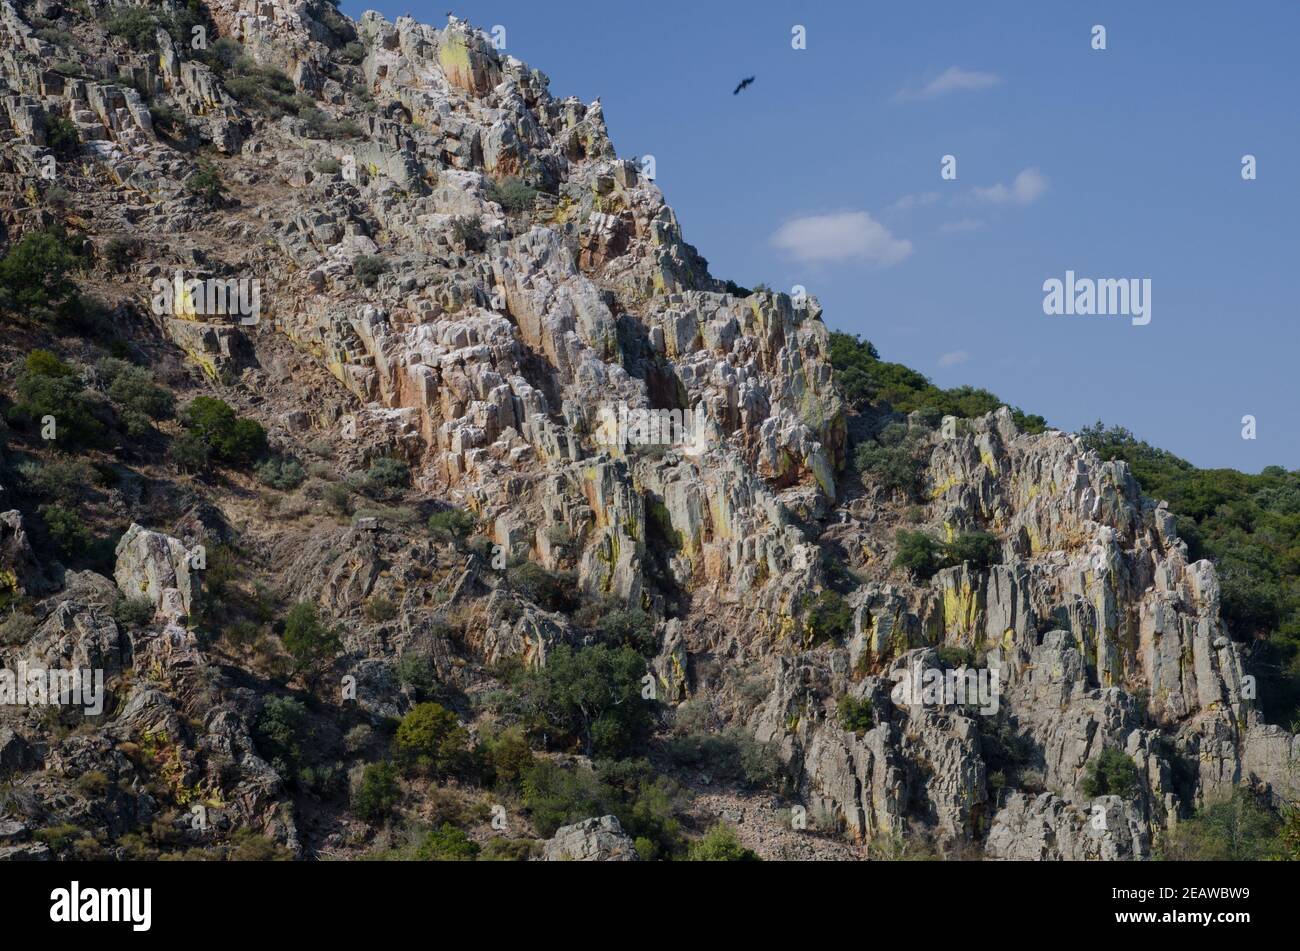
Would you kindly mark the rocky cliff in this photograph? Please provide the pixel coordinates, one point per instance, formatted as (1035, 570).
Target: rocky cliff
(458, 273)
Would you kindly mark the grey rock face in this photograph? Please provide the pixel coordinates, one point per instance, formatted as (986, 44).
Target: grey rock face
(157, 567)
(591, 840)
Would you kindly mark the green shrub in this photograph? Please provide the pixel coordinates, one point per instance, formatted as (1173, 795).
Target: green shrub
(308, 641)
(134, 393)
(645, 804)
(387, 475)
(367, 268)
(16, 629)
(67, 530)
(1113, 773)
(377, 794)
(629, 627)
(61, 136)
(222, 54)
(553, 590)
(282, 472)
(918, 554)
(896, 467)
(979, 549)
(118, 253)
(137, 25)
(826, 617)
(49, 387)
(1236, 829)
(417, 670)
(35, 270)
(279, 731)
(169, 120)
(588, 698)
(134, 612)
(338, 497)
(507, 757)
(952, 656)
(93, 783)
(555, 796)
(206, 185)
(446, 844)
(63, 480)
(864, 379)
(502, 849)
(263, 88)
(328, 166)
(467, 232)
(320, 125)
(54, 36)
(226, 436)
(191, 452)
(248, 846)
(58, 837)
(733, 756)
(514, 195)
(721, 844)
(855, 714)
(451, 524)
(380, 608)
(431, 738)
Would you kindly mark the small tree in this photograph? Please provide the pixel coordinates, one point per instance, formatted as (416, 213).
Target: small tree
(206, 185)
(514, 195)
(917, 553)
(387, 475)
(307, 640)
(979, 549)
(35, 271)
(67, 529)
(826, 617)
(451, 524)
(855, 714)
(1113, 773)
(431, 738)
(227, 436)
(367, 268)
(377, 793)
(61, 136)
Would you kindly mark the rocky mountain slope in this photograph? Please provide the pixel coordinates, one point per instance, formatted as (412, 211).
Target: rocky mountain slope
(460, 285)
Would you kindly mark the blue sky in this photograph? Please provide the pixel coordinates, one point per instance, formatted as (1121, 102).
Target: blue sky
(1123, 163)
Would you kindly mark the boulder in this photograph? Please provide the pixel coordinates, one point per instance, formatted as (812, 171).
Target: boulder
(158, 567)
(591, 840)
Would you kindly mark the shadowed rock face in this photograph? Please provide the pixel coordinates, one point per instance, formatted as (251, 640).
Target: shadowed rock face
(504, 328)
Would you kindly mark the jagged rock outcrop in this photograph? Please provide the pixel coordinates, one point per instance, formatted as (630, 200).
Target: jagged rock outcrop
(591, 840)
(458, 271)
(155, 566)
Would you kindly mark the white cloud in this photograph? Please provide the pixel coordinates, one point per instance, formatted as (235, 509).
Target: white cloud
(963, 224)
(952, 79)
(840, 236)
(1025, 188)
(908, 202)
(953, 358)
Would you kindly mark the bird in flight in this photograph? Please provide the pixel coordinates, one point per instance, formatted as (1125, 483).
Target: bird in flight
(743, 84)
